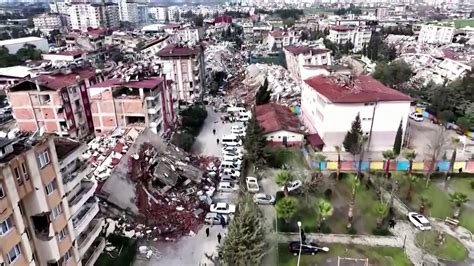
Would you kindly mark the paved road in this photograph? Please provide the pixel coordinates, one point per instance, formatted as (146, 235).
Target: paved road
(366, 240)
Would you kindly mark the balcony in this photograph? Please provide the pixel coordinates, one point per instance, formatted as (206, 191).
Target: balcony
(87, 238)
(94, 252)
(72, 178)
(84, 216)
(86, 191)
(154, 110)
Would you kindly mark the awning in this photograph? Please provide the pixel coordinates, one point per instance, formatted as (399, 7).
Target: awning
(315, 140)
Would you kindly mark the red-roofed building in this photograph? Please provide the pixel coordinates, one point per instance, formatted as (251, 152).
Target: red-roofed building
(138, 104)
(330, 104)
(184, 65)
(222, 21)
(56, 102)
(300, 61)
(280, 125)
(278, 39)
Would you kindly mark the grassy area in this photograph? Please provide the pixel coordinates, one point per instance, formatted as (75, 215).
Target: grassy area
(463, 185)
(292, 157)
(451, 250)
(377, 255)
(306, 213)
(439, 205)
(461, 23)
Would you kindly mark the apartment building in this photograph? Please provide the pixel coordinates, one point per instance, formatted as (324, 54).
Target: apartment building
(139, 104)
(86, 15)
(159, 13)
(433, 34)
(128, 11)
(278, 39)
(184, 65)
(48, 22)
(301, 60)
(193, 35)
(58, 102)
(151, 48)
(358, 36)
(326, 99)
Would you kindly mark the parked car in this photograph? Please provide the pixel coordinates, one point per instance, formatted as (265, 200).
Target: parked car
(213, 218)
(418, 117)
(306, 248)
(292, 186)
(227, 187)
(419, 221)
(264, 199)
(252, 184)
(239, 156)
(232, 149)
(239, 131)
(222, 207)
(230, 172)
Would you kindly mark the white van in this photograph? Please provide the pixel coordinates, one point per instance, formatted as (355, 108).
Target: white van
(244, 116)
(235, 109)
(231, 140)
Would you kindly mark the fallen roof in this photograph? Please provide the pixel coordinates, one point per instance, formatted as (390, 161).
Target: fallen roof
(136, 84)
(64, 146)
(296, 50)
(153, 42)
(361, 89)
(273, 117)
(59, 81)
(176, 50)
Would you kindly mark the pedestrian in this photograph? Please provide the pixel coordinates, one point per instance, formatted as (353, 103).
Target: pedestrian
(223, 222)
(214, 131)
(219, 238)
(207, 232)
(217, 141)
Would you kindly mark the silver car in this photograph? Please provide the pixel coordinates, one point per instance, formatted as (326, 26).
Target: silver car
(261, 198)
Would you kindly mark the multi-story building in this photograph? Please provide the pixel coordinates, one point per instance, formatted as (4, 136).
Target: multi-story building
(174, 13)
(193, 35)
(184, 65)
(144, 103)
(358, 36)
(325, 99)
(150, 50)
(300, 60)
(85, 15)
(381, 12)
(128, 11)
(278, 39)
(111, 17)
(434, 34)
(48, 22)
(58, 103)
(159, 13)
(142, 13)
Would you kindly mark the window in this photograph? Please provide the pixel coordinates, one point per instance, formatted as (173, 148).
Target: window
(50, 187)
(17, 176)
(14, 253)
(67, 255)
(2, 192)
(62, 234)
(25, 173)
(6, 225)
(43, 158)
(56, 212)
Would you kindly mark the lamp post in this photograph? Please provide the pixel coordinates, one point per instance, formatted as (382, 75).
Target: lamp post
(301, 243)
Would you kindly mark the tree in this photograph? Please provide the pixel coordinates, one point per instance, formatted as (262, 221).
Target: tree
(325, 209)
(397, 144)
(30, 23)
(437, 147)
(286, 208)
(245, 241)
(350, 213)
(198, 20)
(411, 180)
(184, 140)
(454, 143)
(320, 158)
(388, 155)
(381, 209)
(458, 198)
(283, 178)
(255, 142)
(338, 171)
(348, 46)
(410, 155)
(393, 74)
(263, 94)
(353, 139)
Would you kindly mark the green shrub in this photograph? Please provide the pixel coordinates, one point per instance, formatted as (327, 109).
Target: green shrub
(279, 195)
(328, 193)
(277, 156)
(325, 229)
(352, 231)
(183, 140)
(472, 184)
(381, 231)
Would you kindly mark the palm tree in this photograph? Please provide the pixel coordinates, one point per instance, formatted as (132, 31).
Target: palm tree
(458, 198)
(325, 210)
(423, 204)
(410, 155)
(286, 208)
(350, 213)
(388, 155)
(454, 142)
(283, 178)
(320, 158)
(411, 180)
(381, 210)
(338, 150)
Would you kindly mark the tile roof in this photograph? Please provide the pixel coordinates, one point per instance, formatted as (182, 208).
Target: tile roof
(273, 117)
(362, 90)
(278, 33)
(341, 28)
(59, 81)
(118, 82)
(175, 50)
(296, 50)
(223, 19)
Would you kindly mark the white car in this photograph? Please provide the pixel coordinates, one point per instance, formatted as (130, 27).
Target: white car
(239, 131)
(222, 207)
(213, 218)
(227, 187)
(419, 221)
(232, 149)
(227, 178)
(293, 185)
(230, 172)
(261, 198)
(418, 117)
(252, 184)
(239, 156)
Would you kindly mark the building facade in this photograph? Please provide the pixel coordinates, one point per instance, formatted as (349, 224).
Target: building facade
(300, 59)
(193, 35)
(85, 15)
(341, 98)
(141, 104)
(184, 65)
(58, 103)
(433, 34)
(358, 36)
(278, 39)
(128, 11)
(159, 13)
(48, 22)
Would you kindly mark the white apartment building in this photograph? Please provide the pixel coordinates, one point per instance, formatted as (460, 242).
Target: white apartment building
(47, 22)
(278, 39)
(433, 34)
(59, 7)
(451, 69)
(174, 13)
(300, 60)
(330, 104)
(128, 11)
(184, 65)
(143, 13)
(358, 36)
(85, 15)
(193, 35)
(159, 13)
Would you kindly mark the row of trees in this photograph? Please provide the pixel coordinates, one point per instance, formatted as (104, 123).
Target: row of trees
(192, 119)
(28, 52)
(312, 35)
(351, 10)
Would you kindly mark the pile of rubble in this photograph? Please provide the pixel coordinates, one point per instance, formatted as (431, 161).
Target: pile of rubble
(222, 57)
